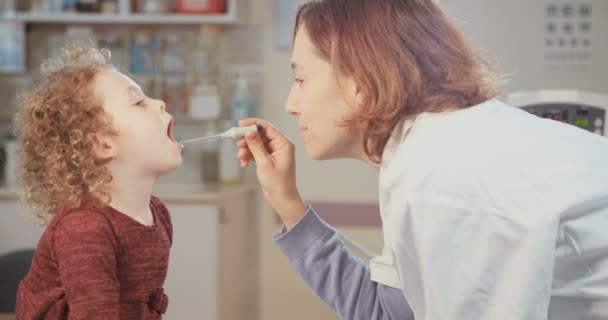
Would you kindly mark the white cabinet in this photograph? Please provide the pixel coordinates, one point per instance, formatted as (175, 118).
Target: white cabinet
(17, 231)
(192, 280)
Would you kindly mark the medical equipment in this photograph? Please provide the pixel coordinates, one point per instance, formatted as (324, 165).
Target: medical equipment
(582, 109)
(232, 133)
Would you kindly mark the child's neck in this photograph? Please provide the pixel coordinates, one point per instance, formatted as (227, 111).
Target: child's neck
(131, 194)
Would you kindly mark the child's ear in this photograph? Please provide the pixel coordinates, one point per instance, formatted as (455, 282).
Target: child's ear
(103, 147)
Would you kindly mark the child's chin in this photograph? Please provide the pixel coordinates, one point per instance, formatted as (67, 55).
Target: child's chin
(169, 167)
(176, 164)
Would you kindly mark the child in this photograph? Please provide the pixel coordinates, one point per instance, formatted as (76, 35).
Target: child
(93, 145)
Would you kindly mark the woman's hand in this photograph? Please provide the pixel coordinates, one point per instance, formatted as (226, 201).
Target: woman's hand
(274, 155)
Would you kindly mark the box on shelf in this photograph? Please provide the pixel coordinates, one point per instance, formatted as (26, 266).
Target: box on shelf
(201, 6)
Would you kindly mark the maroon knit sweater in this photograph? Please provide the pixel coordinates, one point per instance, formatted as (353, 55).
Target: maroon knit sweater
(96, 263)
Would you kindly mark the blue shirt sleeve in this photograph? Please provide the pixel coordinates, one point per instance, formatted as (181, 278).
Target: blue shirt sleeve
(317, 253)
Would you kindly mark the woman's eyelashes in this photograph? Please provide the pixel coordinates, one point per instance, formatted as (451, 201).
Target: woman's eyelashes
(298, 81)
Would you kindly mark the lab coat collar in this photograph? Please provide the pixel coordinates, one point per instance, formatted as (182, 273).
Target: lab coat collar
(397, 136)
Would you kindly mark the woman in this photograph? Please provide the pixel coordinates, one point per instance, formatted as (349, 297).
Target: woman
(488, 212)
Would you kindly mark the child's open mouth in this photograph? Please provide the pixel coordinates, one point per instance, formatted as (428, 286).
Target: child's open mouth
(170, 130)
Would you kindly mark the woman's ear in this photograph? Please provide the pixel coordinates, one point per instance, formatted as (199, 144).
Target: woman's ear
(360, 96)
(103, 147)
(354, 92)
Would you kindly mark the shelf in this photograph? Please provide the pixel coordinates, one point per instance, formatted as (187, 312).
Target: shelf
(95, 18)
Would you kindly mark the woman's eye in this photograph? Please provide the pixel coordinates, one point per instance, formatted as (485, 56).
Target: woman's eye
(298, 81)
(140, 103)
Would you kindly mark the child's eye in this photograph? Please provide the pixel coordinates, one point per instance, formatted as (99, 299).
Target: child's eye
(298, 81)
(140, 103)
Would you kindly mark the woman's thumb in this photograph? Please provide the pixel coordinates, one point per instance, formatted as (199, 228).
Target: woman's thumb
(257, 148)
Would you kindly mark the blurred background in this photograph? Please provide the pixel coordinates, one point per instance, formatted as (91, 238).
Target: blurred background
(217, 61)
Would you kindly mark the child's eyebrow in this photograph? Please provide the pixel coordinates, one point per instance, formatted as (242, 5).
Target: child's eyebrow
(135, 91)
(134, 88)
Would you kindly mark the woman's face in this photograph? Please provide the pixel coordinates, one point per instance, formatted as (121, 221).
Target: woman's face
(320, 104)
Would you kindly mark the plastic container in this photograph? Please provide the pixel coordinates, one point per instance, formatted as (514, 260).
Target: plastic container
(154, 6)
(87, 6)
(7, 7)
(210, 160)
(11, 148)
(204, 103)
(175, 95)
(143, 54)
(69, 5)
(109, 6)
(200, 6)
(205, 53)
(230, 169)
(2, 163)
(174, 55)
(210, 165)
(12, 46)
(242, 104)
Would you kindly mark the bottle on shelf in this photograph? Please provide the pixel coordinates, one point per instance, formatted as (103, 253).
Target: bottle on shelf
(204, 102)
(143, 53)
(87, 5)
(109, 6)
(230, 169)
(201, 7)
(153, 6)
(210, 161)
(69, 5)
(12, 46)
(7, 7)
(11, 149)
(241, 103)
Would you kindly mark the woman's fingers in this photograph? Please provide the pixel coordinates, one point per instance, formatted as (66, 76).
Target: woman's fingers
(241, 143)
(268, 132)
(244, 154)
(265, 141)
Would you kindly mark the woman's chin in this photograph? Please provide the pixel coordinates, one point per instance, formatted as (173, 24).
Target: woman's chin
(318, 154)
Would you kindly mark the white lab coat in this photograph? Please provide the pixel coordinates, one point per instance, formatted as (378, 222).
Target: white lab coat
(492, 213)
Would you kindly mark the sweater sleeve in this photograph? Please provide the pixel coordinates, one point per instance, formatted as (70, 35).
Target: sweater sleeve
(317, 253)
(85, 248)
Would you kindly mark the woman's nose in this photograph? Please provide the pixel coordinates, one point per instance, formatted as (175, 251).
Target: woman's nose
(291, 105)
(291, 109)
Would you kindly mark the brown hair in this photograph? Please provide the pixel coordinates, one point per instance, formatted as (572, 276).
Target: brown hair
(406, 56)
(56, 123)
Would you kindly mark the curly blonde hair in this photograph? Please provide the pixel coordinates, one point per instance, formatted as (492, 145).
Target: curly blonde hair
(56, 124)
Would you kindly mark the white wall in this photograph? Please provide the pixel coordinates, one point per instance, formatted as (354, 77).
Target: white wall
(514, 32)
